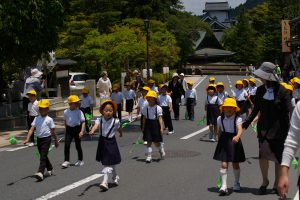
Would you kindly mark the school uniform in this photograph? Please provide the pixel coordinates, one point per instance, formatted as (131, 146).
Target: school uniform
(223, 95)
(142, 103)
(43, 126)
(226, 150)
(212, 104)
(252, 92)
(85, 106)
(240, 97)
(164, 102)
(129, 95)
(118, 97)
(73, 120)
(191, 99)
(152, 126)
(32, 112)
(107, 151)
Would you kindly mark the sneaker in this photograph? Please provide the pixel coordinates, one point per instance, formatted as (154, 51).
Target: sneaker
(170, 132)
(162, 153)
(210, 136)
(236, 186)
(149, 159)
(30, 144)
(79, 163)
(116, 180)
(39, 176)
(223, 192)
(213, 140)
(49, 173)
(65, 164)
(145, 142)
(104, 186)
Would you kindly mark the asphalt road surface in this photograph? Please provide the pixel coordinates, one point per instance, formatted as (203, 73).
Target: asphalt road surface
(188, 171)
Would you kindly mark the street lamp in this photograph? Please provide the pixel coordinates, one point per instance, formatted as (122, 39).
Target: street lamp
(146, 24)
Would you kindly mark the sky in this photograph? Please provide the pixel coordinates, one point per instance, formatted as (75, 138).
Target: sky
(196, 6)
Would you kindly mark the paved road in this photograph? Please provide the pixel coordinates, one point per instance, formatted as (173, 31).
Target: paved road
(188, 172)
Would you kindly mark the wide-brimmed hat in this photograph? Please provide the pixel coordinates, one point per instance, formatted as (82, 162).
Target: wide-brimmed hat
(104, 73)
(114, 105)
(267, 72)
(230, 102)
(175, 75)
(36, 73)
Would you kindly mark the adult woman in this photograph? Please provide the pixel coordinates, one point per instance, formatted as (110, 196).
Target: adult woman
(176, 90)
(104, 87)
(274, 104)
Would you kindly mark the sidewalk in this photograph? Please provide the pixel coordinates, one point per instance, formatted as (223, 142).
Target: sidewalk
(59, 122)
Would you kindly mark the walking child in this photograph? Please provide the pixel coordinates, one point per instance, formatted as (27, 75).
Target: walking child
(212, 104)
(222, 94)
(32, 112)
(86, 105)
(212, 80)
(75, 125)
(241, 96)
(118, 97)
(153, 126)
(142, 103)
(252, 90)
(129, 95)
(108, 151)
(229, 148)
(165, 102)
(191, 100)
(44, 128)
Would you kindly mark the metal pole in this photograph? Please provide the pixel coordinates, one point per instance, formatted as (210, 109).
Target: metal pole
(148, 59)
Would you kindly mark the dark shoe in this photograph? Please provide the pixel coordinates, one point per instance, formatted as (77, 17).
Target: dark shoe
(274, 191)
(262, 190)
(223, 192)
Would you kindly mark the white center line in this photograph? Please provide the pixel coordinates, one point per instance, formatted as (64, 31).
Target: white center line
(200, 81)
(195, 133)
(69, 187)
(296, 196)
(16, 149)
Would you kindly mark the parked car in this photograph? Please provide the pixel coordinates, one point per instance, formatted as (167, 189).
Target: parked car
(77, 80)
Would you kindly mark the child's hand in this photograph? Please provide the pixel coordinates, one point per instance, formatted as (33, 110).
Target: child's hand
(80, 134)
(91, 133)
(235, 139)
(25, 141)
(56, 143)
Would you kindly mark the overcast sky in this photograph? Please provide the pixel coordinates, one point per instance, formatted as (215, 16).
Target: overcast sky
(196, 6)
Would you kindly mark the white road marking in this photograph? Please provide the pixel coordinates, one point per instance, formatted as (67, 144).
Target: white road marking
(297, 196)
(195, 133)
(230, 85)
(229, 81)
(16, 149)
(5, 149)
(200, 81)
(69, 187)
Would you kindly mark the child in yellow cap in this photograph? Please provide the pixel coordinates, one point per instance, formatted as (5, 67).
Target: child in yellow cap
(252, 91)
(118, 98)
(191, 100)
(32, 112)
(75, 125)
(108, 151)
(241, 96)
(129, 96)
(222, 94)
(44, 128)
(212, 80)
(142, 103)
(229, 147)
(165, 102)
(86, 105)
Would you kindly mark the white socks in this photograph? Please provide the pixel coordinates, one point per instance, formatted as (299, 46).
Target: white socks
(237, 173)
(149, 151)
(223, 174)
(108, 170)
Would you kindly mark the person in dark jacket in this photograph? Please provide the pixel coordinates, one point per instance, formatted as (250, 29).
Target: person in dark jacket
(176, 90)
(274, 105)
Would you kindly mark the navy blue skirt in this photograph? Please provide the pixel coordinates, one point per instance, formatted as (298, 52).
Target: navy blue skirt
(129, 105)
(212, 114)
(243, 106)
(108, 151)
(152, 131)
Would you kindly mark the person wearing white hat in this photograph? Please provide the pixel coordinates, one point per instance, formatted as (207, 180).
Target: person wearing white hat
(183, 81)
(176, 90)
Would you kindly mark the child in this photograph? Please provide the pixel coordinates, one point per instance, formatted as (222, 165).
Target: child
(142, 103)
(241, 96)
(191, 100)
(129, 95)
(212, 104)
(86, 105)
(229, 147)
(165, 102)
(75, 125)
(32, 112)
(44, 127)
(153, 125)
(108, 152)
(248, 101)
(221, 93)
(118, 97)
(151, 85)
(252, 90)
(212, 80)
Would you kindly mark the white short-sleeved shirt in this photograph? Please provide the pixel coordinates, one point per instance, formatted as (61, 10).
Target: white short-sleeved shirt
(129, 94)
(107, 125)
(155, 89)
(33, 108)
(86, 102)
(229, 123)
(164, 100)
(151, 111)
(73, 117)
(223, 95)
(252, 90)
(240, 95)
(191, 93)
(142, 103)
(213, 100)
(117, 97)
(43, 126)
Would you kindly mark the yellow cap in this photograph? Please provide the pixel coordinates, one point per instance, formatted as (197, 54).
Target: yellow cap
(160, 86)
(230, 102)
(151, 81)
(73, 99)
(33, 92)
(246, 80)
(220, 84)
(190, 83)
(297, 80)
(283, 84)
(239, 82)
(252, 80)
(212, 78)
(151, 94)
(116, 87)
(211, 86)
(114, 105)
(85, 91)
(44, 103)
(289, 87)
(146, 88)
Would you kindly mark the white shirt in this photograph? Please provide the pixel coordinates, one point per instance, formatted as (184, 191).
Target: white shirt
(164, 100)
(191, 93)
(252, 90)
(129, 94)
(223, 95)
(151, 111)
(33, 108)
(296, 93)
(229, 123)
(184, 84)
(240, 95)
(73, 117)
(107, 125)
(104, 87)
(213, 100)
(43, 126)
(117, 97)
(155, 89)
(292, 141)
(86, 102)
(142, 103)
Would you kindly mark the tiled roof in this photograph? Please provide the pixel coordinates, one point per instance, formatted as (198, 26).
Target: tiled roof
(214, 6)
